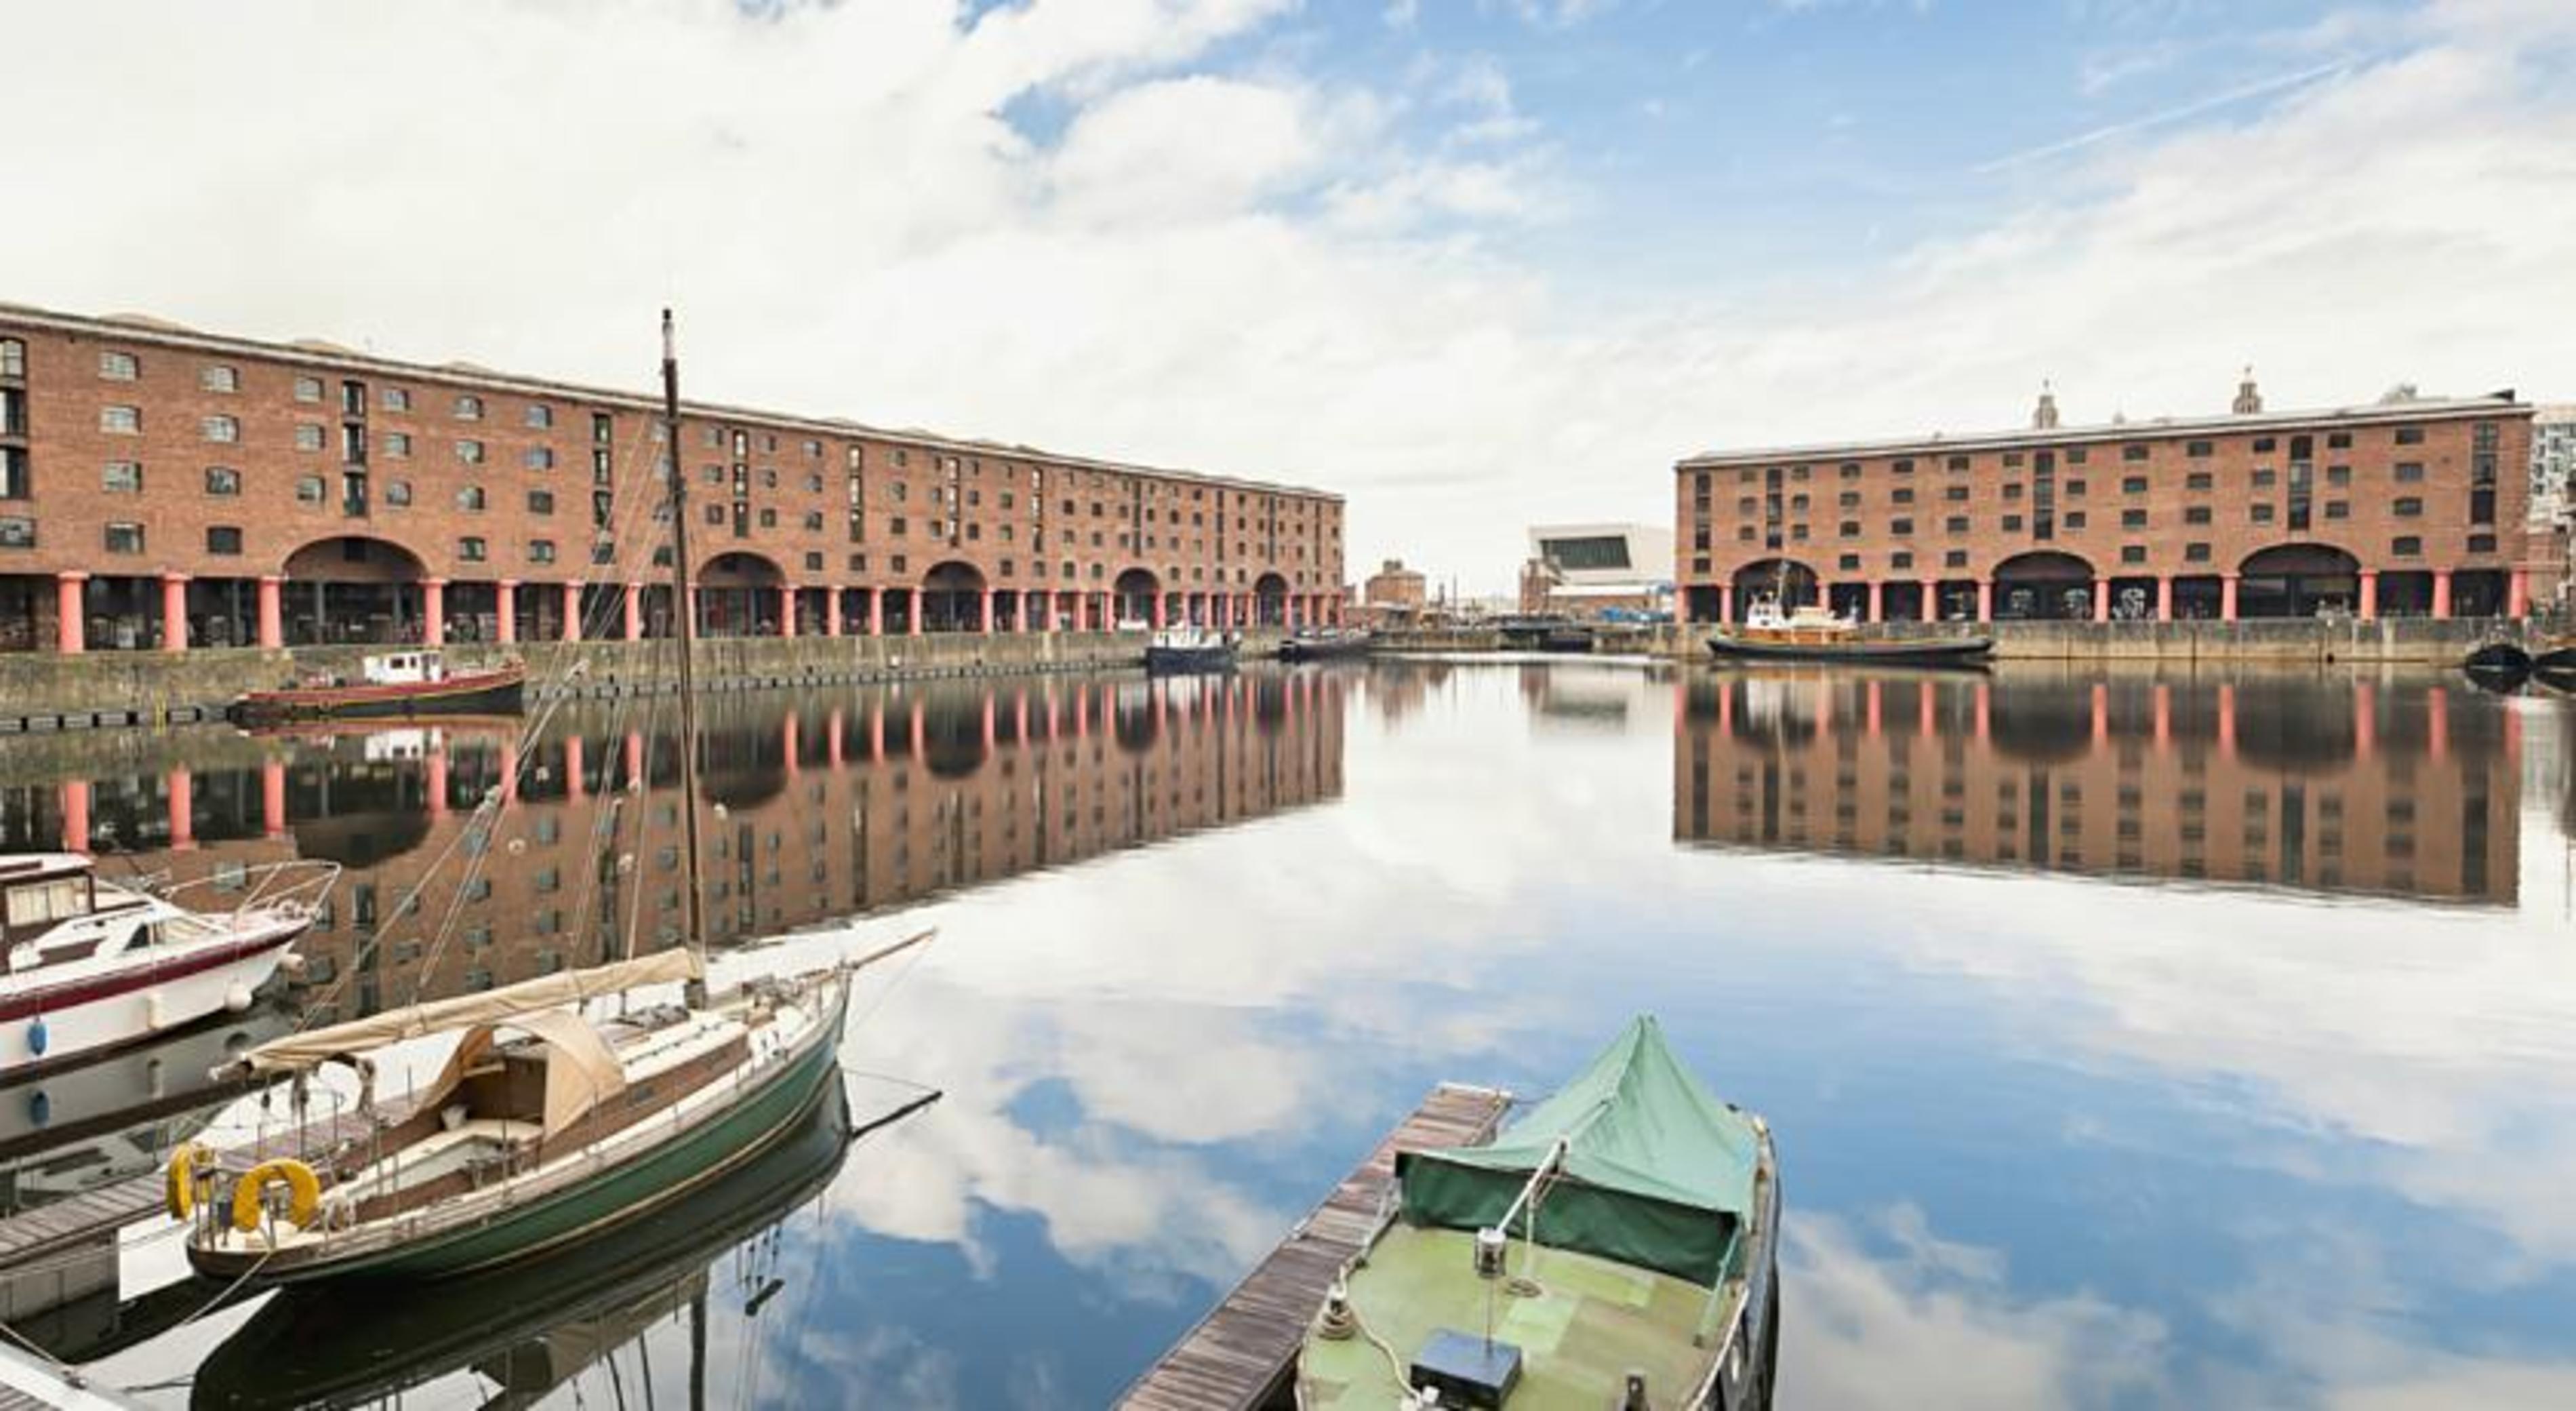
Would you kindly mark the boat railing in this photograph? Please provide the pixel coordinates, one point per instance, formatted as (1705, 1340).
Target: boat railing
(298, 887)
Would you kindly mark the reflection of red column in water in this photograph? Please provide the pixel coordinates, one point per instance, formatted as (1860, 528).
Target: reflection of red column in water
(1985, 711)
(1020, 718)
(1925, 717)
(2101, 715)
(509, 772)
(634, 757)
(272, 797)
(572, 766)
(2365, 718)
(434, 765)
(1081, 711)
(2512, 736)
(832, 737)
(988, 723)
(920, 731)
(1725, 710)
(1870, 695)
(2164, 715)
(876, 734)
(183, 811)
(1824, 708)
(76, 815)
(2437, 722)
(791, 740)
(2227, 721)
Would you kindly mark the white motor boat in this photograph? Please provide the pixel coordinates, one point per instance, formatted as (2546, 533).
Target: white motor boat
(95, 965)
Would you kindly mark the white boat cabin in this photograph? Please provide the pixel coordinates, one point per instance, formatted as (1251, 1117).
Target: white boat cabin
(1806, 620)
(415, 668)
(52, 910)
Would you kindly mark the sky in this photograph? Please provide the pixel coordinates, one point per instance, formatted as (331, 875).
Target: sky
(1474, 264)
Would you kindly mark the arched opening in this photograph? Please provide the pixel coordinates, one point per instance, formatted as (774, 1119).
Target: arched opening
(2042, 722)
(2478, 592)
(1136, 590)
(952, 598)
(1270, 600)
(1792, 583)
(2043, 586)
(738, 596)
(2297, 580)
(352, 589)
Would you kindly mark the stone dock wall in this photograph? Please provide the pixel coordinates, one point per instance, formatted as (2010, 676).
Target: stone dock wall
(42, 691)
(2284, 642)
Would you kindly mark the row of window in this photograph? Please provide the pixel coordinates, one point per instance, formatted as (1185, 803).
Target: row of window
(2404, 546)
(2131, 452)
(2262, 478)
(2405, 507)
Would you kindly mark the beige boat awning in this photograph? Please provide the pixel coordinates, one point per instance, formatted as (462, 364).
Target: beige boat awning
(581, 1070)
(511, 1004)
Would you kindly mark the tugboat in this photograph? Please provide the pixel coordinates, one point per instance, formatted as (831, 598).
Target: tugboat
(96, 966)
(1617, 1246)
(1189, 648)
(1325, 644)
(394, 684)
(1812, 633)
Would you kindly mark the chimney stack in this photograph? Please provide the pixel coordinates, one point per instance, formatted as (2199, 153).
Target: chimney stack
(2044, 416)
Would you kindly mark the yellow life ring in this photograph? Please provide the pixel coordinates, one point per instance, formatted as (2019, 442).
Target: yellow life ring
(304, 1193)
(179, 1183)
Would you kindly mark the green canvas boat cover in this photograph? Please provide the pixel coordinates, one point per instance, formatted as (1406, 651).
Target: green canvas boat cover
(1658, 1173)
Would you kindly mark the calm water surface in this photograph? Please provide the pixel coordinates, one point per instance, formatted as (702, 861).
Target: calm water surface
(2132, 1041)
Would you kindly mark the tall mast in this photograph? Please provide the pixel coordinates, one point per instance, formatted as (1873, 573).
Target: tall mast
(684, 607)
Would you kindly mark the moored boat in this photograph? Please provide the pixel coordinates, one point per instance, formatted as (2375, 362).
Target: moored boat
(95, 965)
(1812, 633)
(1189, 647)
(2502, 658)
(1325, 643)
(391, 685)
(1615, 1246)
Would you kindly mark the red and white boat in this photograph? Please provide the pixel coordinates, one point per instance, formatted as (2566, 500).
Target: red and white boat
(95, 965)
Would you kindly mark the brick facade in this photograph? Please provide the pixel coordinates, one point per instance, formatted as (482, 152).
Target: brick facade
(153, 456)
(2409, 507)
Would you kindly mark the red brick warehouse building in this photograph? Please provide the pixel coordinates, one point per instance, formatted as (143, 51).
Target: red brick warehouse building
(2406, 507)
(162, 488)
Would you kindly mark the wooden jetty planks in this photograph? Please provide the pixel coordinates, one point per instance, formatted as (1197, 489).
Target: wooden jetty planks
(1239, 1353)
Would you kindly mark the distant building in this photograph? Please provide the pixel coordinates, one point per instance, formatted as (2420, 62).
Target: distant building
(2410, 506)
(2553, 501)
(1395, 586)
(1597, 570)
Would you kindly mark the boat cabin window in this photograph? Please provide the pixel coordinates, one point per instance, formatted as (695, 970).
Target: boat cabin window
(41, 902)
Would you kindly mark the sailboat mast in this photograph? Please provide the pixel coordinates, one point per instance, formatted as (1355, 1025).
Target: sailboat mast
(685, 608)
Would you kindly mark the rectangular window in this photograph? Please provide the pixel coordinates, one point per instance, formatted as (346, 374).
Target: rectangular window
(398, 492)
(2409, 472)
(2338, 509)
(397, 399)
(2406, 436)
(2195, 553)
(2263, 445)
(308, 389)
(2133, 553)
(224, 540)
(1903, 467)
(308, 436)
(2133, 452)
(13, 358)
(121, 421)
(2262, 514)
(222, 480)
(2196, 514)
(1957, 463)
(17, 532)
(470, 549)
(2406, 546)
(1900, 527)
(470, 452)
(2073, 519)
(541, 502)
(308, 489)
(2338, 440)
(398, 444)
(541, 551)
(2408, 508)
(538, 458)
(122, 478)
(540, 416)
(2133, 519)
(124, 538)
(2012, 524)
(2338, 475)
(1956, 524)
(217, 377)
(2482, 543)
(1848, 529)
(469, 408)
(470, 498)
(2266, 479)
(2133, 485)
(2199, 450)
(2197, 480)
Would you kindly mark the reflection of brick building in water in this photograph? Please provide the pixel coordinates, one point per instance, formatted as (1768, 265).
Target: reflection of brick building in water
(873, 801)
(2405, 789)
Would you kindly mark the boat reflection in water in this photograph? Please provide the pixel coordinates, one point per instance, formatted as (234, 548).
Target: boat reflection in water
(2294, 781)
(833, 805)
(525, 1332)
